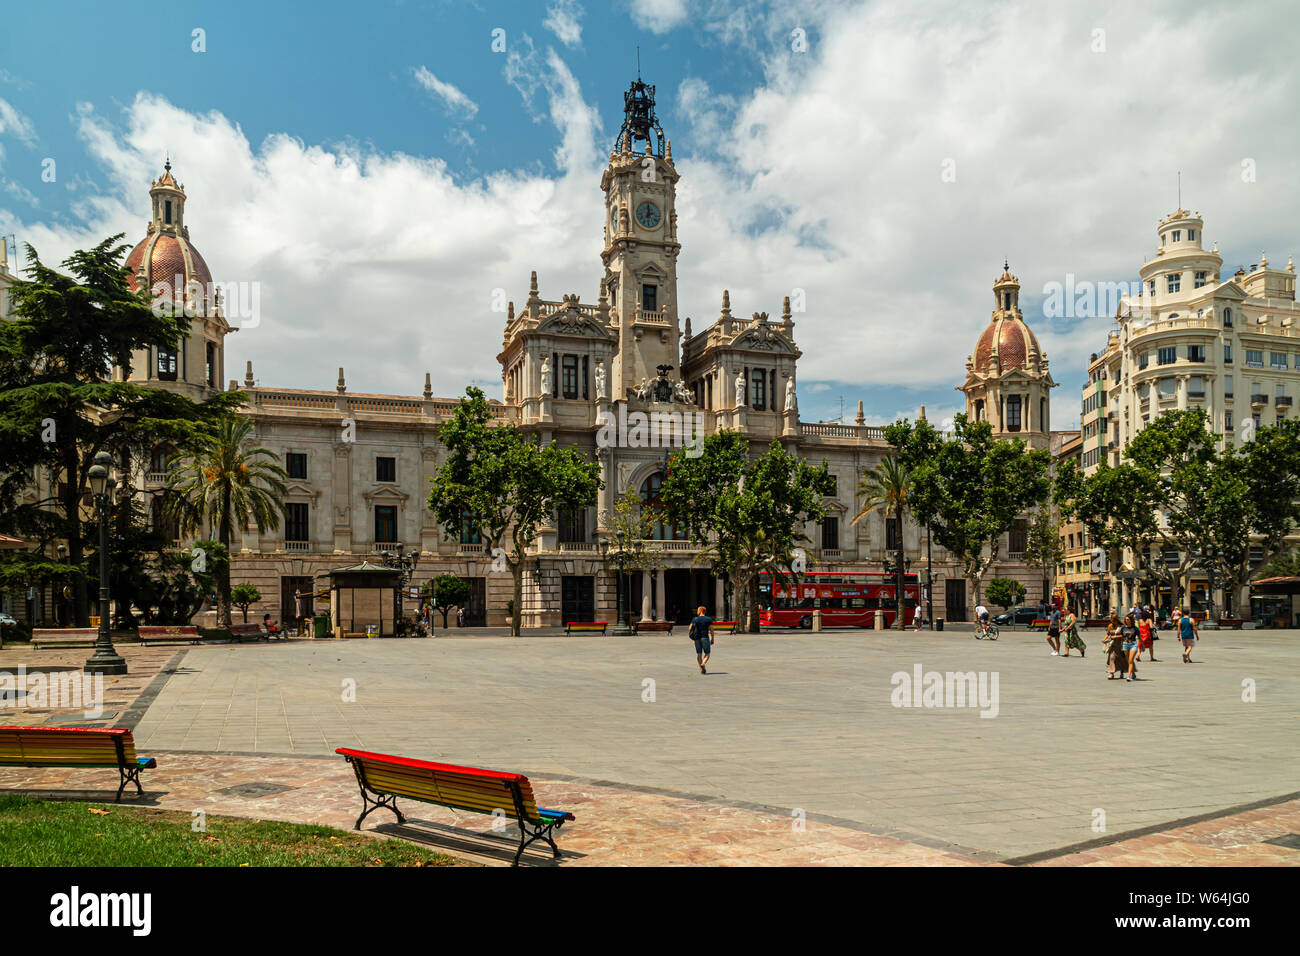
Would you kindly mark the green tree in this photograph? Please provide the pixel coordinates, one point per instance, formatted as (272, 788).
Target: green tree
(219, 483)
(629, 526)
(244, 595)
(448, 591)
(970, 488)
(1005, 592)
(176, 582)
(1043, 545)
(748, 513)
(59, 406)
(888, 486)
(508, 481)
(1285, 565)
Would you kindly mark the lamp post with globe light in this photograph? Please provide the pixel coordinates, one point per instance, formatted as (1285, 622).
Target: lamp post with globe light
(106, 659)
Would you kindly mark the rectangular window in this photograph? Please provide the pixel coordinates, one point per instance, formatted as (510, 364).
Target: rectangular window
(758, 383)
(1018, 539)
(1013, 413)
(210, 366)
(167, 211)
(295, 463)
(830, 533)
(1151, 288)
(1277, 359)
(1144, 359)
(167, 364)
(569, 376)
(1227, 386)
(573, 524)
(1174, 282)
(649, 298)
(1196, 386)
(1227, 354)
(1167, 356)
(1254, 358)
(1200, 280)
(296, 527)
(1196, 353)
(385, 469)
(469, 530)
(385, 524)
(1177, 235)
(1191, 235)
(1227, 421)
(1166, 387)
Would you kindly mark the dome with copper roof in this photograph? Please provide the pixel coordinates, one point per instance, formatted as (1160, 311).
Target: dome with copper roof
(1006, 338)
(165, 261)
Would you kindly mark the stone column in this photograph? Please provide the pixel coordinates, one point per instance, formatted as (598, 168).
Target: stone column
(660, 604)
(718, 596)
(1182, 391)
(645, 595)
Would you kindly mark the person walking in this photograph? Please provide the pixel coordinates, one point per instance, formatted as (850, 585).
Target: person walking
(1187, 632)
(701, 632)
(1054, 631)
(917, 617)
(1146, 631)
(460, 617)
(1116, 664)
(1070, 628)
(1129, 636)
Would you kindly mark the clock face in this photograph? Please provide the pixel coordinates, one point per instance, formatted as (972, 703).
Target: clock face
(647, 214)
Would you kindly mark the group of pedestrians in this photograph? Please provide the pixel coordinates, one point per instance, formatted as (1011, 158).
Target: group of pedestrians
(1064, 624)
(1124, 641)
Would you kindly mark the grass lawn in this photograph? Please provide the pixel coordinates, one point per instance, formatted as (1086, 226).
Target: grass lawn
(36, 832)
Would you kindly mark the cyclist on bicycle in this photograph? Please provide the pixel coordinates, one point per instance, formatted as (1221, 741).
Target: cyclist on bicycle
(982, 615)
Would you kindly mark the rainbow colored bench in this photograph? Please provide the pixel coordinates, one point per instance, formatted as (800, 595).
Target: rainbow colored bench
(585, 626)
(75, 747)
(724, 625)
(489, 792)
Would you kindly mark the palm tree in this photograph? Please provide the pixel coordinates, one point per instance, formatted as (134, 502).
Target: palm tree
(888, 486)
(222, 484)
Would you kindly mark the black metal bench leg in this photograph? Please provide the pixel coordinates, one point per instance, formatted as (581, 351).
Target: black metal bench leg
(371, 806)
(539, 832)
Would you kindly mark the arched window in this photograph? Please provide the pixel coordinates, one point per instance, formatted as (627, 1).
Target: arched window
(1227, 318)
(652, 500)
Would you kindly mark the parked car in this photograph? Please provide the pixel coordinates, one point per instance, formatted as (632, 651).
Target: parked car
(7, 620)
(1026, 614)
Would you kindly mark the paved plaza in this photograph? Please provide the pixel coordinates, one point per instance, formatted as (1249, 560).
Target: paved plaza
(793, 724)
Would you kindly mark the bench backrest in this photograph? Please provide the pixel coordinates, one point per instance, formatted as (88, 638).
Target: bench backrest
(81, 633)
(462, 788)
(168, 630)
(66, 747)
(246, 629)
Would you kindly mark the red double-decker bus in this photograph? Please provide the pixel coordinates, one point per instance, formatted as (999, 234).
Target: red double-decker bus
(845, 598)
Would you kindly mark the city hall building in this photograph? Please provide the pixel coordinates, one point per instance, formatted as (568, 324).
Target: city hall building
(359, 464)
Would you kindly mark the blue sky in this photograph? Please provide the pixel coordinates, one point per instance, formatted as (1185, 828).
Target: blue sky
(380, 171)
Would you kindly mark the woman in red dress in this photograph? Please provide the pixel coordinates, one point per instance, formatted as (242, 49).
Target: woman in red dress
(1144, 637)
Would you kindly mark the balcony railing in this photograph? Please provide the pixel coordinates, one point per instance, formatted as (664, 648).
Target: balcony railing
(1282, 401)
(155, 478)
(471, 548)
(298, 546)
(1257, 399)
(577, 546)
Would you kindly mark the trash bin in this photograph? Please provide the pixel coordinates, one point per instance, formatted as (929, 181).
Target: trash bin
(321, 626)
(938, 624)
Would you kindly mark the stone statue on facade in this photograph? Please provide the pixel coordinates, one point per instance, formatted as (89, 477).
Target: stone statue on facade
(546, 375)
(600, 379)
(790, 401)
(683, 394)
(740, 389)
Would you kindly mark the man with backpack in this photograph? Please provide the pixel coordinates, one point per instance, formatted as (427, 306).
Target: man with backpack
(701, 632)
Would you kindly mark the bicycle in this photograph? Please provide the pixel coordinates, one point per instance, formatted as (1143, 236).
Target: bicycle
(989, 630)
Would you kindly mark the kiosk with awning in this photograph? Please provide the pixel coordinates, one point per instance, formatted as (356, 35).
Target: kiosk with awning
(1274, 601)
(364, 597)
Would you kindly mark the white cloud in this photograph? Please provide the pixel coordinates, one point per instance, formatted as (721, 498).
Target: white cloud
(658, 16)
(562, 19)
(453, 100)
(826, 178)
(13, 123)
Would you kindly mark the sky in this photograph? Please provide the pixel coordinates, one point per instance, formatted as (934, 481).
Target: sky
(377, 173)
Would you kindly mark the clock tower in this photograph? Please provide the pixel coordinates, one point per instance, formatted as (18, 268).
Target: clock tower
(640, 252)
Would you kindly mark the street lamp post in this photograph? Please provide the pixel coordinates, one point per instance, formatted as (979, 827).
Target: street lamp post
(404, 563)
(622, 627)
(106, 659)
